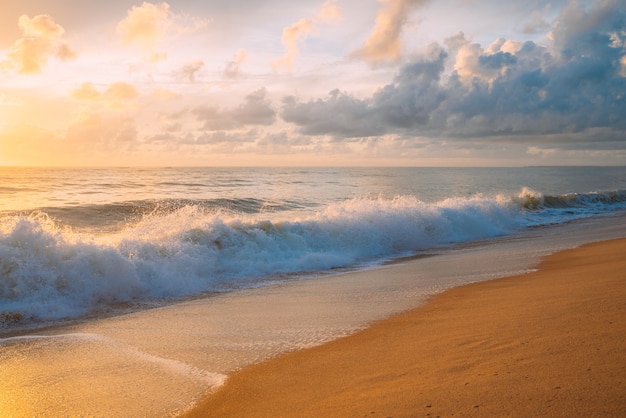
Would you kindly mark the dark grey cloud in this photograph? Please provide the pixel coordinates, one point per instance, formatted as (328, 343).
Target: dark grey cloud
(405, 104)
(189, 70)
(221, 137)
(256, 109)
(576, 84)
(339, 114)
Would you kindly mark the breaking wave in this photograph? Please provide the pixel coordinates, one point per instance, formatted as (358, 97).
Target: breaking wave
(49, 271)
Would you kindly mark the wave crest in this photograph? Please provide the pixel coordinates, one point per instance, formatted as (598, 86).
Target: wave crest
(50, 272)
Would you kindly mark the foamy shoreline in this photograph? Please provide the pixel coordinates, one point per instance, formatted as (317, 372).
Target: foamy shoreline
(218, 335)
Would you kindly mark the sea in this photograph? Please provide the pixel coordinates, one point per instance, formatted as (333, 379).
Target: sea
(75, 242)
(134, 292)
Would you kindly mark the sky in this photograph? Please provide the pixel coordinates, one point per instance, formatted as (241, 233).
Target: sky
(312, 83)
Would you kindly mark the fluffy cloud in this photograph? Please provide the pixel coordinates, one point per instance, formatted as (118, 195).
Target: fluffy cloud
(506, 90)
(384, 42)
(475, 62)
(328, 12)
(147, 25)
(290, 38)
(339, 115)
(232, 69)
(120, 92)
(87, 91)
(406, 104)
(42, 38)
(256, 109)
(189, 70)
(116, 95)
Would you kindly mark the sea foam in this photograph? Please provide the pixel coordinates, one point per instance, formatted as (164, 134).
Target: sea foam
(49, 272)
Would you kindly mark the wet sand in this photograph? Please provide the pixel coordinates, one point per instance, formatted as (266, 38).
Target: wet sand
(548, 343)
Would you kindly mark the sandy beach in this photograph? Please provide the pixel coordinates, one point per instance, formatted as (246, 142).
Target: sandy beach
(548, 343)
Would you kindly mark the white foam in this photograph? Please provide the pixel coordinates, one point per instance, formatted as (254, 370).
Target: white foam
(212, 379)
(47, 272)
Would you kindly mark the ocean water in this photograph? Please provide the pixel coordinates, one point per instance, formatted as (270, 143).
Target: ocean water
(78, 242)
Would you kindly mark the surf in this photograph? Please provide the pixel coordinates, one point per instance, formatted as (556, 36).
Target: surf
(50, 270)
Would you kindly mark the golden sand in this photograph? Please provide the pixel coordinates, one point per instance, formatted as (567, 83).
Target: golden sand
(549, 343)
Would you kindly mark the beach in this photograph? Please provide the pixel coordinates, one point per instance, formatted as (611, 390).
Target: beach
(139, 301)
(547, 343)
(327, 208)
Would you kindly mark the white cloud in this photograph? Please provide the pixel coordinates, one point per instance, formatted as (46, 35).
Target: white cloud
(87, 91)
(384, 43)
(233, 67)
(117, 95)
(149, 24)
(145, 26)
(328, 12)
(290, 38)
(42, 38)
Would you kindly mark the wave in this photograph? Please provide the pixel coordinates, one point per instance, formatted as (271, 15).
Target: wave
(49, 271)
(531, 199)
(109, 217)
(553, 209)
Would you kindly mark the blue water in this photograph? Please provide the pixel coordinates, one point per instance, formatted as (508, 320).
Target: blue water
(78, 241)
